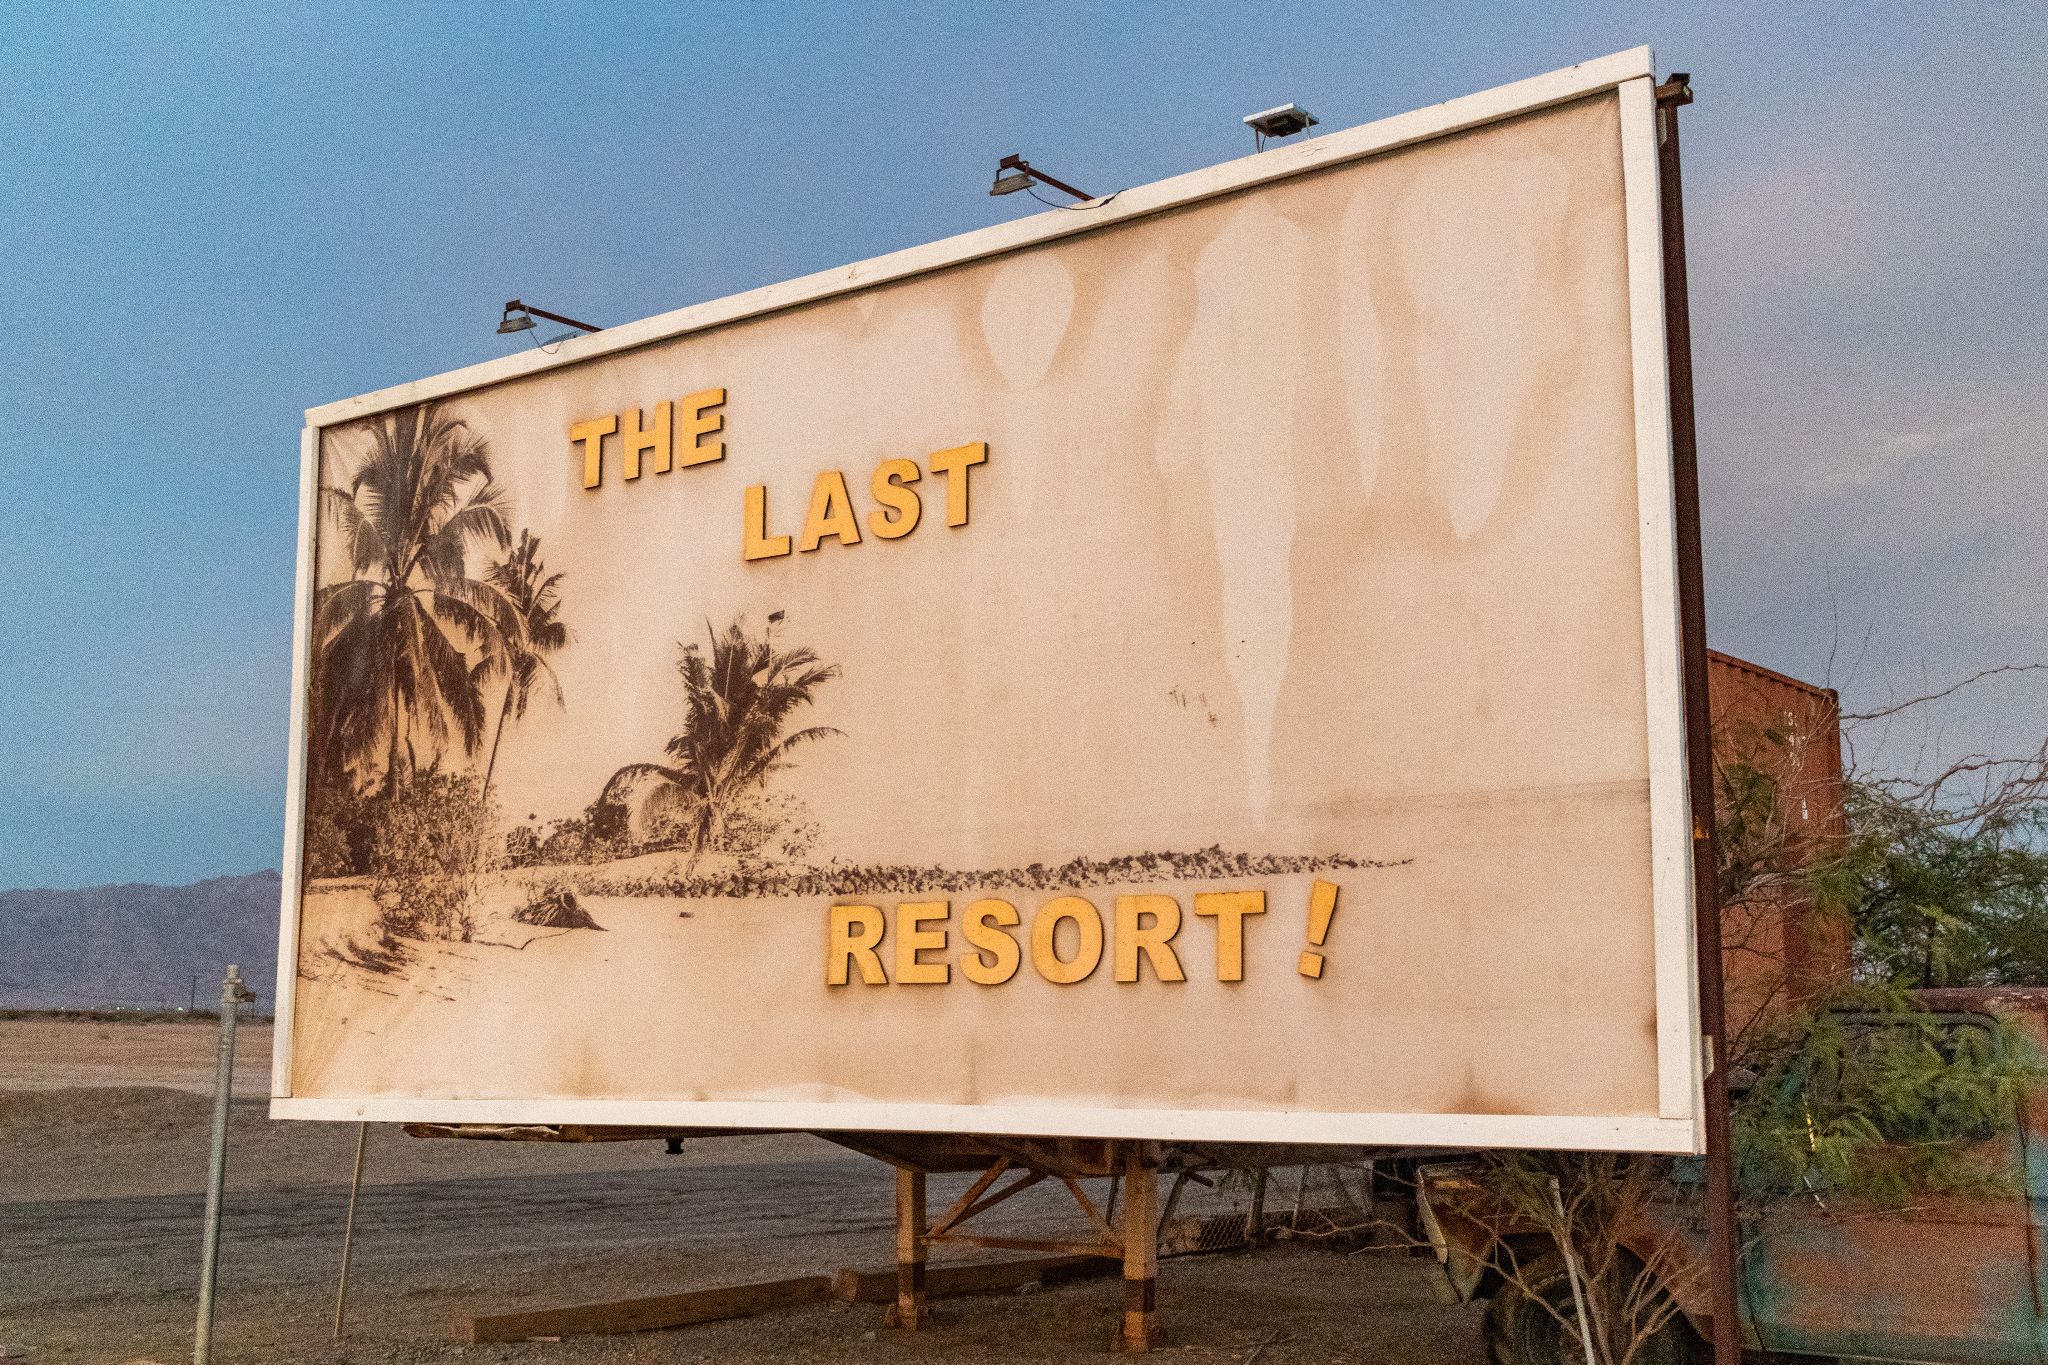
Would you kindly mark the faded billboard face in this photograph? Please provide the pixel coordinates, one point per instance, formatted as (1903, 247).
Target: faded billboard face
(1186, 678)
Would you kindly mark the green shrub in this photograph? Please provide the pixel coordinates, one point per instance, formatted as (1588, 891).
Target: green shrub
(1880, 1099)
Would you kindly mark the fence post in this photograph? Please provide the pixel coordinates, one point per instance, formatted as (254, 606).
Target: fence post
(232, 995)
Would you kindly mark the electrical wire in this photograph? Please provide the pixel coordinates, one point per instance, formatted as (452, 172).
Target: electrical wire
(1072, 208)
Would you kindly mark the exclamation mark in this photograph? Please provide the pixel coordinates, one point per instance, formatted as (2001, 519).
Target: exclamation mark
(1322, 905)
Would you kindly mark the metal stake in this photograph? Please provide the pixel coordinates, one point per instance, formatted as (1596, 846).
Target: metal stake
(348, 1230)
(232, 994)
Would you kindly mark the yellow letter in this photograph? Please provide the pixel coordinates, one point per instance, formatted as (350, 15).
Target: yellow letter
(761, 545)
(1155, 938)
(831, 513)
(591, 435)
(700, 421)
(850, 940)
(633, 440)
(912, 939)
(996, 955)
(890, 476)
(1230, 908)
(1046, 925)
(958, 460)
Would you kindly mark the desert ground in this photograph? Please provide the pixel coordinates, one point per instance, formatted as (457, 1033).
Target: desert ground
(103, 1139)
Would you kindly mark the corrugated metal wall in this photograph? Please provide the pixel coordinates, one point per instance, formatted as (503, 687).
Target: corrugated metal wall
(1779, 947)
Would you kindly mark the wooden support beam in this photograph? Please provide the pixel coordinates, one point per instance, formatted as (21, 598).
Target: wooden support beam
(974, 1192)
(1088, 1207)
(643, 1315)
(1141, 1250)
(1038, 1244)
(911, 1311)
(853, 1285)
(1024, 1181)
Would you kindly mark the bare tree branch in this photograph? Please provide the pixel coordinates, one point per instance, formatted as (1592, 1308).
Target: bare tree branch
(1949, 691)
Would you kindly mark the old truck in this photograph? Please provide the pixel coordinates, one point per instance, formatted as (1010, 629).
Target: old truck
(1953, 1279)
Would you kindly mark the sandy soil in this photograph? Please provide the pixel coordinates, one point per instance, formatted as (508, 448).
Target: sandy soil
(49, 1054)
(100, 1209)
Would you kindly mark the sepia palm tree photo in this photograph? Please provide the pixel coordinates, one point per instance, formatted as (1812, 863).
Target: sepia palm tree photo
(395, 639)
(439, 626)
(521, 659)
(740, 694)
(411, 647)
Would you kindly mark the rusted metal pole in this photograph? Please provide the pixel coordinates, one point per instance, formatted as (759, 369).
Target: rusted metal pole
(348, 1231)
(1255, 1221)
(232, 995)
(1723, 1258)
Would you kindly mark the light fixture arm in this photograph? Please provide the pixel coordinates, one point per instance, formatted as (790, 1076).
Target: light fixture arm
(1023, 167)
(516, 306)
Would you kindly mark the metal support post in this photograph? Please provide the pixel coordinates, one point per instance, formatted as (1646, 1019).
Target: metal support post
(1255, 1221)
(1141, 1250)
(1723, 1260)
(232, 995)
(348, 1230)
(911, 1311)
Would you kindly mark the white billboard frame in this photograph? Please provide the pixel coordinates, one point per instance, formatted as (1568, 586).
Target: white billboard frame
(1678, 1124)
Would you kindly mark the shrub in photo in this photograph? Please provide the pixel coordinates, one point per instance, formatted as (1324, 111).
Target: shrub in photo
(426, 853)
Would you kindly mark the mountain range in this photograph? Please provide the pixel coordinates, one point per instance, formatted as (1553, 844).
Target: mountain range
(138, 946)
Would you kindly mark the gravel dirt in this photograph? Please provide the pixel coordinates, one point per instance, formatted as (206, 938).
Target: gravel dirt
(101, 1180)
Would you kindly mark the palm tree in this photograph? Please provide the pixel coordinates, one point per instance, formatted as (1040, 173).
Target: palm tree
(393, 639)
(738, 698)
(535, 596)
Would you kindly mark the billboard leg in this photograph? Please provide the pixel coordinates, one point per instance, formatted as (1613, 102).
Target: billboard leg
(348, 1231)
(1723, 1257)
(911, 1311)
(1141, 1251)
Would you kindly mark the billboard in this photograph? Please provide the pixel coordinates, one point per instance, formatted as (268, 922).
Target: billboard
(1199, 665)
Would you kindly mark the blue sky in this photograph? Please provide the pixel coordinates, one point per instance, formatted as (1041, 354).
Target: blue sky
(212, 217)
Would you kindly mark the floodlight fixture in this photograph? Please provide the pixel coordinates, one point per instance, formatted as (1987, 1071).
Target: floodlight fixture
(1014, 173)
(1285, 121)
(519, 318)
